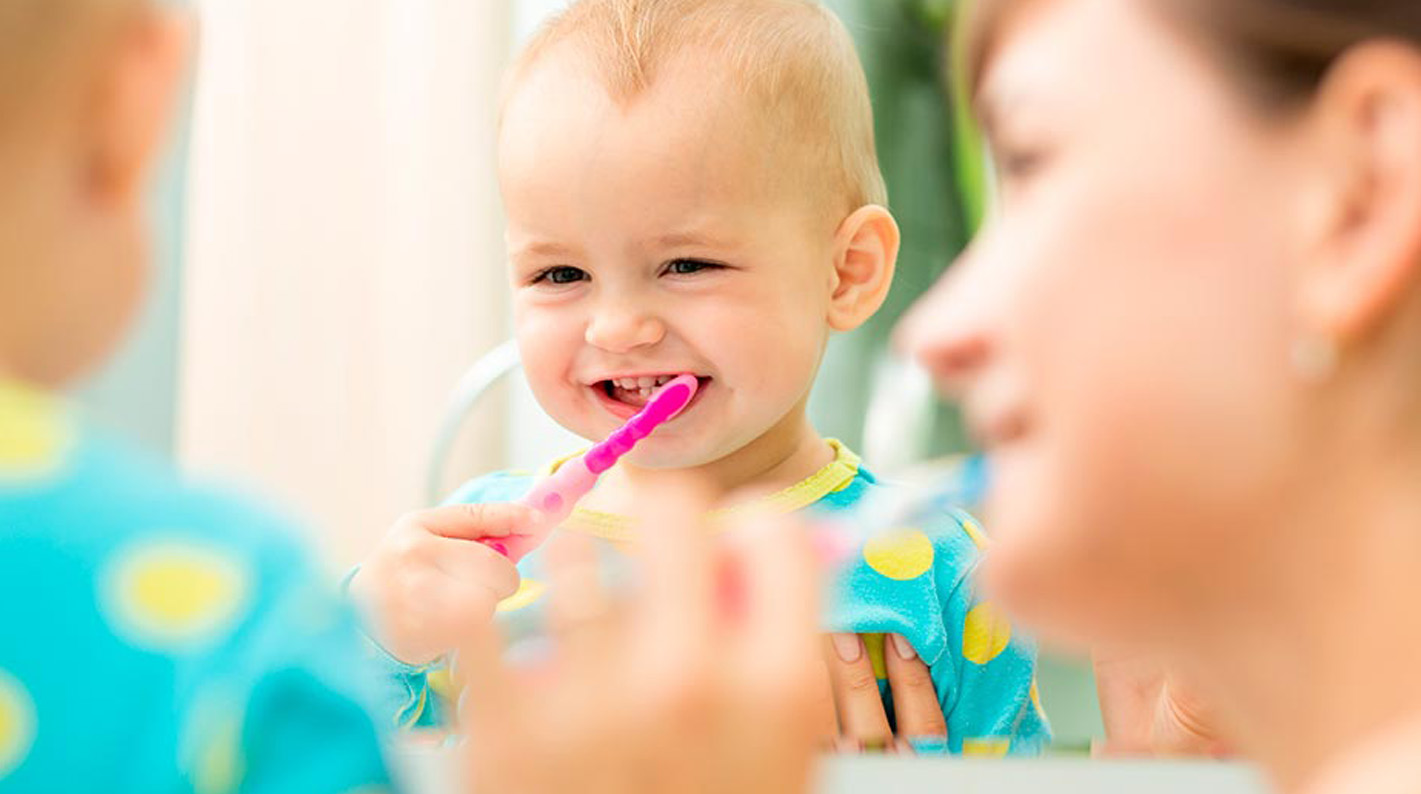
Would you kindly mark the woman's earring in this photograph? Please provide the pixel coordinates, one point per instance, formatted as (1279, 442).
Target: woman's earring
(1315, 357)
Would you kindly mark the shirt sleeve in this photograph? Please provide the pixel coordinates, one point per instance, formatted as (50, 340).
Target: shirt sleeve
(285, 704)
(987, 684)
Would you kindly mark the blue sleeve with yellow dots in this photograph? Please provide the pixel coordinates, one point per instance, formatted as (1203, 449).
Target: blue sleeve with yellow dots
(160, 637)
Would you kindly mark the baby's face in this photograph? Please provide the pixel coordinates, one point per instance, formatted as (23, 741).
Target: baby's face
(654, 240)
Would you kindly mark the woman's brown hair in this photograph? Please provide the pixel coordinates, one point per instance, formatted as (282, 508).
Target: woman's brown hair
(1280, 49)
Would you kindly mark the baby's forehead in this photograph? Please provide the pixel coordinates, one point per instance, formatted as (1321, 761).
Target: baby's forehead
(694, 124)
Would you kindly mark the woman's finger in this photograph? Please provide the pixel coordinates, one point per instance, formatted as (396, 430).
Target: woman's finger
(862, 718)
(915, 702)
(677, 602)
(825, 714)
(580, 610)
(780, 577)
(779, 632)
(490, 694)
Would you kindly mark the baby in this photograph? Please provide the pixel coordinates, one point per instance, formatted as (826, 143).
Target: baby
(691, 187)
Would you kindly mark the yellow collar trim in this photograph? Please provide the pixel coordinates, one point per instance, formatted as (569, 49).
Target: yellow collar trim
(833, 477)
(35, 431)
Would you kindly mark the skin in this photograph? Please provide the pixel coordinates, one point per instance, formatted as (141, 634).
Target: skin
(73, 239)
(1167, 480)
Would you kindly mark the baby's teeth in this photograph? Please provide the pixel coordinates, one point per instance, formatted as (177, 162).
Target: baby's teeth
(663, 380)
(629, 384)
(645, 383)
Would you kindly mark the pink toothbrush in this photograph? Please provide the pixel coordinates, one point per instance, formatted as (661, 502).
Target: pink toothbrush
(555, 497)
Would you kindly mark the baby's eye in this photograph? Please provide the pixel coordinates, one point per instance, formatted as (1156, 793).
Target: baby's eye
(561, 275)
(690, 267)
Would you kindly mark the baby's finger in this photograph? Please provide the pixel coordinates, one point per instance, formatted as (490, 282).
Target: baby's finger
(477, 564)
(476, 521)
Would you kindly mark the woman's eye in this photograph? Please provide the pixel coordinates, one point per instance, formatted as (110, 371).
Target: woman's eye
(1019, 165)
(690, 267)
(560, 276)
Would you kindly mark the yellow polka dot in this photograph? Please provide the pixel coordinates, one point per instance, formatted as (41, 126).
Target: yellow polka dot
(220, 767)
(1036, 698)
(902, 554)
(529, 591)
(975, 532)
(17, 724)
(35, 433)
(986, 634)
(873, 643)
(169, 594)
(986, 748)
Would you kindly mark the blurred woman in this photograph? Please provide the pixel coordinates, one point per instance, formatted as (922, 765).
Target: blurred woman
(1190, 338)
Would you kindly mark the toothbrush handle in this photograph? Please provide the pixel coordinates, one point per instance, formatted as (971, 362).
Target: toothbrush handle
(555, 495)
(605, 455)
(554, 498)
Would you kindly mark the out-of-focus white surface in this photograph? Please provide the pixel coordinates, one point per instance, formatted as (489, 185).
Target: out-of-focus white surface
(430, 771)
(345, 254)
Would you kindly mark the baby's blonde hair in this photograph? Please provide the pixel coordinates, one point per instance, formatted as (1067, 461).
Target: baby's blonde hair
(793, 60)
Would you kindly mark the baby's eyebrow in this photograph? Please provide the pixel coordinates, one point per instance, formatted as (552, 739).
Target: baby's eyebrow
(544, 249)
(687, 239)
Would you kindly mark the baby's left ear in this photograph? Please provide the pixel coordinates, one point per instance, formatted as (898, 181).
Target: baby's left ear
(865, 257)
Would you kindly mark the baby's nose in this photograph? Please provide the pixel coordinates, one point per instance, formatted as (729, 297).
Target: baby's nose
(622, 329)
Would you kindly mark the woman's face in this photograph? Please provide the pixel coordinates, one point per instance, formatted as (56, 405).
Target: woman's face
(1120, 332)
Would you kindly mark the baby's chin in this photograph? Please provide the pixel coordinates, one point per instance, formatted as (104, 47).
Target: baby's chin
(665, 457)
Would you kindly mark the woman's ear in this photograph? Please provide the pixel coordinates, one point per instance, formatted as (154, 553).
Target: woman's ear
(136, 93)
(865, 257)
(1368, 117)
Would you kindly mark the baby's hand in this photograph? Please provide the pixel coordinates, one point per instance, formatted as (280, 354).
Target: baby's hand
(429, 580)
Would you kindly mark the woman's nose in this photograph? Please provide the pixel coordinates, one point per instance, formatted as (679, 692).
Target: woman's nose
(621, 328)
(947, 332)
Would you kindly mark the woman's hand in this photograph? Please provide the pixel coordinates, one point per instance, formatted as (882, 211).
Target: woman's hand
(428, 581)
(853, 717)
(699, 685)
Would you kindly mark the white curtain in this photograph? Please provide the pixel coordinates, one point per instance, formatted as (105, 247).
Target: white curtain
(345, 255)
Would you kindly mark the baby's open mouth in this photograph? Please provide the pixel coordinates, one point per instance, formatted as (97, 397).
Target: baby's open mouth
(637, 392)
